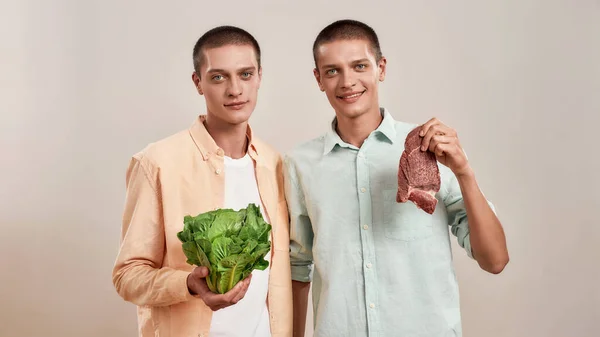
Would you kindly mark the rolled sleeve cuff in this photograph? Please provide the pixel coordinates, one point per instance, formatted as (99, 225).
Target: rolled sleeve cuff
(466, 242)
(301, 273)
(467, 247)
(180, 287)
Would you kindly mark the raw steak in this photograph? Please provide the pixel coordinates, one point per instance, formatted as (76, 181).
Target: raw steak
(418, 174)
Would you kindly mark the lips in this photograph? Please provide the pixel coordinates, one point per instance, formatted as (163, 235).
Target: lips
(351, 97)
(235, 105)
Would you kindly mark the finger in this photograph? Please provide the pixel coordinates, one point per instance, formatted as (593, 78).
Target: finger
(439, 125)
(238, 297)
(241, 291)
(247, 281)
(200, 272)
(204, 293)
(426, 141)
(198, 280)
(444, 129)
(439, 139)
(245, 288)
(219, 301)
(232, 293)
(425, 127)
(442, 149)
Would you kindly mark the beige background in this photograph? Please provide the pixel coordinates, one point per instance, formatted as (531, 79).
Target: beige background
(85, 84)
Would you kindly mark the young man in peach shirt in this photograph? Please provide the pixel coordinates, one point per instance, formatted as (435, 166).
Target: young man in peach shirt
(216, 163)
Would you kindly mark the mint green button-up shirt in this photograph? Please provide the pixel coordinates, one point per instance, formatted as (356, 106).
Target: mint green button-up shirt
(378, 267)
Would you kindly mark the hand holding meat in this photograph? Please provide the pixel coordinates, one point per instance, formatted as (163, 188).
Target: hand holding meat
(443, 142)
(418, 173)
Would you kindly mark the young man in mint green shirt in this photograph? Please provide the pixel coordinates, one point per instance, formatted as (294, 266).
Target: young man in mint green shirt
(378, 267)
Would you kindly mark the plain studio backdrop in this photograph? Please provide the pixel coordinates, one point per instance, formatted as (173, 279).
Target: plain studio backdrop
(85, 84)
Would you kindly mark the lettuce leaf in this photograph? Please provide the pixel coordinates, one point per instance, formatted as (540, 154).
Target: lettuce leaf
(231, 244)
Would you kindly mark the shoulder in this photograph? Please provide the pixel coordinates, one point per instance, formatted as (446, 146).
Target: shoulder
(307, 151)
(302, 159)
(164, 151)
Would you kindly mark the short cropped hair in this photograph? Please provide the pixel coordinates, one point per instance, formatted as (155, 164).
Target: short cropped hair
(219, 37)
(347, 30)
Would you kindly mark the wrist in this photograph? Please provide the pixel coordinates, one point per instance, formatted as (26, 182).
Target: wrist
(465, 174)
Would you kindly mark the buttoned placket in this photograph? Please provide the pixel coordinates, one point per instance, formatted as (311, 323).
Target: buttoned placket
(368, 249)
(216, 161)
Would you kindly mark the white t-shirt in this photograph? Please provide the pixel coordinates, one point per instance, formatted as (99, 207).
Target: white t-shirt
(249, 317)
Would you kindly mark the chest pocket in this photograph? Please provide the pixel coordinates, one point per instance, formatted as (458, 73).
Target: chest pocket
(404, 221)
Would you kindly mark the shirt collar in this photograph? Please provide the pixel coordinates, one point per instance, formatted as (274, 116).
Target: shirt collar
(386, 128)
(207, 145)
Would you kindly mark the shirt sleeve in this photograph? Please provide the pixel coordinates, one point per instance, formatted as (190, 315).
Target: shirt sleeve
(457, 212)
(138, 274)
(301, 233)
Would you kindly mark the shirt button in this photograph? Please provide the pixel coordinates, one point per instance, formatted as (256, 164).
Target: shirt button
(218, 171)
(369, 265)
(363, 190)
(365, 227)
(360, 155)
(220, 152)
(372, 305)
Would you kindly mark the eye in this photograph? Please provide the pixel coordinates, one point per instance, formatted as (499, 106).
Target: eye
(246, 74)
(331, 72)
(217, 78)
(361, 66)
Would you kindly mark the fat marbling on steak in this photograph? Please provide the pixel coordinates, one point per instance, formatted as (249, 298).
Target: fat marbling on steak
(418, 174)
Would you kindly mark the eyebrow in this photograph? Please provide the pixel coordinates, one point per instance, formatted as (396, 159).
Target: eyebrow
(216, 70)
(363, 60)
(329, 66)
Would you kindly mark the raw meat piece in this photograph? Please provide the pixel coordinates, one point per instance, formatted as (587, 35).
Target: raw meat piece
(418, 174)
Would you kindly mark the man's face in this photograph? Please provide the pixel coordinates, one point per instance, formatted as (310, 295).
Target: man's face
(229, 80)
(348, 73)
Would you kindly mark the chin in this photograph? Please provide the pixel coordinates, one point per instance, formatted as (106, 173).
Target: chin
(352, 111)
(236, 117)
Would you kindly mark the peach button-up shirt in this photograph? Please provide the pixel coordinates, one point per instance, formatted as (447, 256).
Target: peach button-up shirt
(180, 175)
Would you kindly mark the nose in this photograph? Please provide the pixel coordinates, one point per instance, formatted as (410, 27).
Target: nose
(234, 88)
(348, 80)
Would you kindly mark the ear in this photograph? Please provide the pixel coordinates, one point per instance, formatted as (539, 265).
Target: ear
(381, 65)
(197, 84)
(259, 76)
(318, 78)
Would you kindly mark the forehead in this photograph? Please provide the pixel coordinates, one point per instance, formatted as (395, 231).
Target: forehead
(229, 57)
(343, 51)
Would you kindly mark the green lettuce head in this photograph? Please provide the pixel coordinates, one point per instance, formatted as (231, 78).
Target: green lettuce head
(231, 244)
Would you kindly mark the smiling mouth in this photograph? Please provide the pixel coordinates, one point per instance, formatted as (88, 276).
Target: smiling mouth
(235, 105)
(351, 96)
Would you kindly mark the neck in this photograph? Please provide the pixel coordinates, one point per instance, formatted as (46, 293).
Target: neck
(229, 137)
(355, 130)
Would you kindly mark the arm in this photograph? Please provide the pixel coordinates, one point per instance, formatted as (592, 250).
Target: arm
(474, 222)
(301, 239)
(138, 274)
(300, 297)
(472, 219)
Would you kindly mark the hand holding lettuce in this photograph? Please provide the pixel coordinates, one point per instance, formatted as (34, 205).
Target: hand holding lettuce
(197, 286)
(231, 244)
